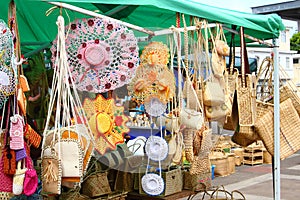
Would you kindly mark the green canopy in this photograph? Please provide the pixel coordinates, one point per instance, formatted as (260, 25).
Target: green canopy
(38, 29)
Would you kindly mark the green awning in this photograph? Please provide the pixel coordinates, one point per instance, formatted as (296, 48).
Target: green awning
(35, 27)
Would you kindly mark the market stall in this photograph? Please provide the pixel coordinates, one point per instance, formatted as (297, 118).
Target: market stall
(135, 44)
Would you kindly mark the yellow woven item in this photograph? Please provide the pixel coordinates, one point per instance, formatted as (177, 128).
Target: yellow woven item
(107, 122)
(155, 53)
(101, 123)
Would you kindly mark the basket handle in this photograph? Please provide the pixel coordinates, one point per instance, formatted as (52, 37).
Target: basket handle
(220, 189)
(245, 68)
(236, 191)
(232, 52)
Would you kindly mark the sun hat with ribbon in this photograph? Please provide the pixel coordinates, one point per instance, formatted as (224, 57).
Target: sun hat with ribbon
(103, 55)
(107, 122)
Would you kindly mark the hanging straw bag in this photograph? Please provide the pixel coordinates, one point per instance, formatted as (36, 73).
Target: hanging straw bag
(289, 129)
(230, 76)
(219, 51)
(246, 98)
(70, 142)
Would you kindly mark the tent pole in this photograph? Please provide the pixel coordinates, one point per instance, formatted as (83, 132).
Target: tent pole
(276, 168)
(248, 36)
(87, 12)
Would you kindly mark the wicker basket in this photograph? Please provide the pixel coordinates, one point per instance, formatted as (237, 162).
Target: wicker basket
(238, 160)
(289, 129)
(286, 92)
(267, 157)
(231, 163)
(220, 160)
(173, 181)
(196, 182)
(96, 185)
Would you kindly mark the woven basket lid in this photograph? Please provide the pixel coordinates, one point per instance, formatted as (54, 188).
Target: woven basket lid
(153, 184)
(103, 55)
(156, 148)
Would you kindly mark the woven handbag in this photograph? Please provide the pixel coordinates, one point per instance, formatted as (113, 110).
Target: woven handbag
(51, 172)
(31, 178)
(246, 98)
(289, 129)
(6, 181)
(32, 136)
(230, 77)
(95, 183)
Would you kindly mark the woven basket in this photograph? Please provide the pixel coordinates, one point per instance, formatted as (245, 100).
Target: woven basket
(196, 182)
(220, 160)
(286, 92)
(231, 163)
(238, 161)
(173, 181)
(267, 157)
(96, 185)
(241, 140)
(289, 129)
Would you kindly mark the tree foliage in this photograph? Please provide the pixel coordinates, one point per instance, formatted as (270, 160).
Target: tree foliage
(295, 42)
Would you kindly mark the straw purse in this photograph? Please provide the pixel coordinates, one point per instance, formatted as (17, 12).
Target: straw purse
(230, 76)
(246, 99)
(67, 147)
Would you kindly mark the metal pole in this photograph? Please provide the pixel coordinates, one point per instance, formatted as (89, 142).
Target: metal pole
(87, 12)
(276, 169)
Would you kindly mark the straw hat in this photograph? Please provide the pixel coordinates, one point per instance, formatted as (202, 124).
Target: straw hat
(102, 55)
(107, 122)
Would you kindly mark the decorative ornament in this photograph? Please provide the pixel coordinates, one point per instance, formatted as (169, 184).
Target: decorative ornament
(107, 122)
(103, 55)
(153, 184)
(150, 81)
(154, 106)
(155, 53)
(156, 148)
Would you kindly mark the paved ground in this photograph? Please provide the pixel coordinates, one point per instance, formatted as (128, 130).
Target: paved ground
(256, 182)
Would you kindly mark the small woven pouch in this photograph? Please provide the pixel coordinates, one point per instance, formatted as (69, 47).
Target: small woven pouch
(18, 179)
(16, 132)
(31, 178)
(32, 136)
(9, 161)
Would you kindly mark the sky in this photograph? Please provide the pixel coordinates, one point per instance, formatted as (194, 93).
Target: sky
(245, 6)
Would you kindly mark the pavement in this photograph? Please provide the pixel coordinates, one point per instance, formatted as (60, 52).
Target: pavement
(256, 182)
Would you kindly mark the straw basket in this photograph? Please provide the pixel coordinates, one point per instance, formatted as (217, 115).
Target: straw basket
(96, 185)
(231, 163)
(267, 157)
(173, 181)
(220, 160)
(289, 129)
(238, 161)
(197, 181)
(286, 92)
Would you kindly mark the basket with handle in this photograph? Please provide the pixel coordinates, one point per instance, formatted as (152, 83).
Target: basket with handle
(246, 98)
(289, 127)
